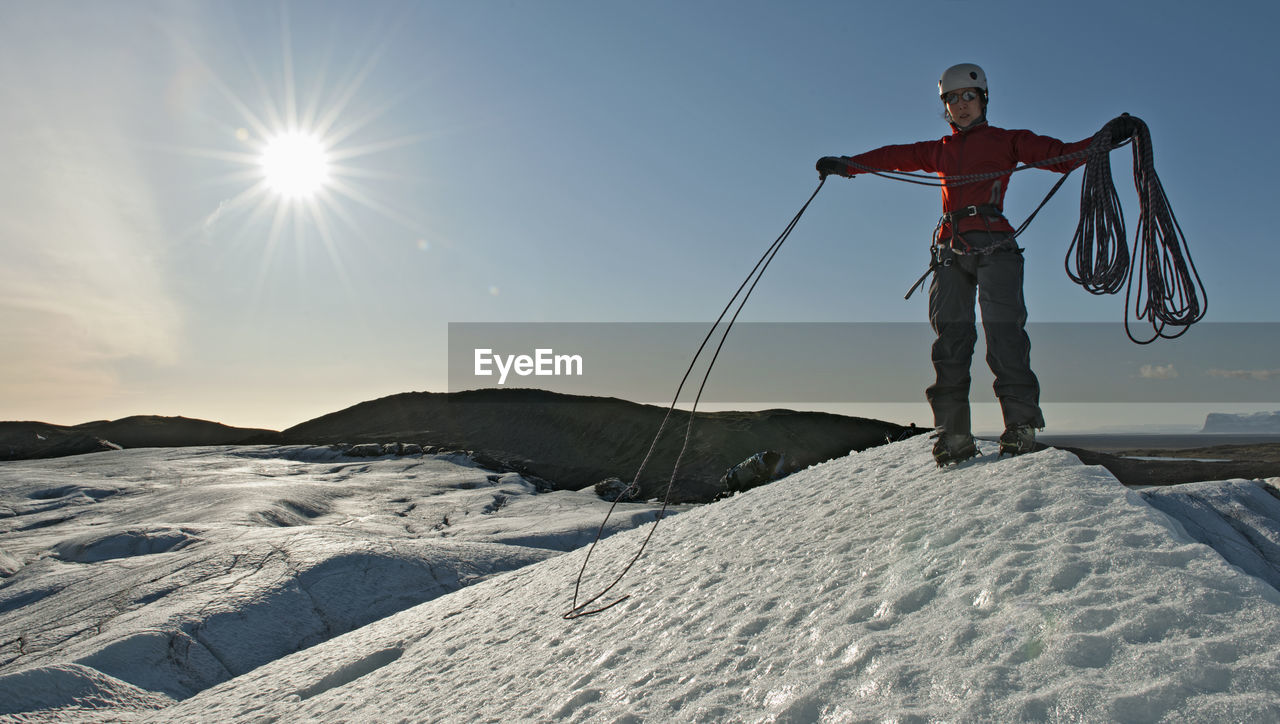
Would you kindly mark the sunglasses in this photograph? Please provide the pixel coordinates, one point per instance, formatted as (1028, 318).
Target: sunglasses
(957, 97)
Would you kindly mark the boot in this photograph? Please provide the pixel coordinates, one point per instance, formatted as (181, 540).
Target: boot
(1017, 439)
(951, 449)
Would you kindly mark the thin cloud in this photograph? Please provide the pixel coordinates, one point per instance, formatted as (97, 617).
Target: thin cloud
(211, 221)
(1259, 375)
(1158, 372)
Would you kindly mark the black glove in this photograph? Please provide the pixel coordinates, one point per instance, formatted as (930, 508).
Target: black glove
(838, 165)
(1123, 128)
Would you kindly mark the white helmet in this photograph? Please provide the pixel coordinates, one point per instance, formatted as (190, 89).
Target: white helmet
(964, 75)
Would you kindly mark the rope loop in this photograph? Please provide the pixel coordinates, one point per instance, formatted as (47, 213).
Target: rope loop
(579, 610)
(1162, 286)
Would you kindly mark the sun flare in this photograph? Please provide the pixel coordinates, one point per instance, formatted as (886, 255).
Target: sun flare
(295, 165)
(306, 157)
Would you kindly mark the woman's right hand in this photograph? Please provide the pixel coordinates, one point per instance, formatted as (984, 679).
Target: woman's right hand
(837, 165)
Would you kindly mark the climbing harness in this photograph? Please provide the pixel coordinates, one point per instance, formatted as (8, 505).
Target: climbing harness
(578, 610)
(956, 244)
(941, 254)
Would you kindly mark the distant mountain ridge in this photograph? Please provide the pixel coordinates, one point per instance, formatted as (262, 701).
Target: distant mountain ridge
(27, 440)
(570, 441)
(575, 441)
(1257, 422)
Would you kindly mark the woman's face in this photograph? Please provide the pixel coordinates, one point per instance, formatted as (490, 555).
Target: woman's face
(964, 106)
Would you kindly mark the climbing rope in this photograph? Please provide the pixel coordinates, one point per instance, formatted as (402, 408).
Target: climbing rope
(1159, 277)
(578, 610)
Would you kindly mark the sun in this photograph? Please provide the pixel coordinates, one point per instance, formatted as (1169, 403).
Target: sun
(295, 164)
(308, 156)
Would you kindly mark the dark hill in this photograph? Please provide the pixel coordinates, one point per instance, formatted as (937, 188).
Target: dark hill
(25, 440)
(575, 441)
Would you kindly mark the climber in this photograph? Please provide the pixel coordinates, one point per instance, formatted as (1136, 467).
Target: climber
(975, 256)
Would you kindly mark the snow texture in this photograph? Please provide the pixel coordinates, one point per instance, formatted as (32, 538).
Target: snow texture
(871, 588)
(1238, 518)
(138, 578)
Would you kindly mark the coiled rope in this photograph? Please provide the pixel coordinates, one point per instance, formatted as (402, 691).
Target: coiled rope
(578, 610)
(1163, 287)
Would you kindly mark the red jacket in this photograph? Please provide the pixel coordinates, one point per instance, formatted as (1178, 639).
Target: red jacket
(980, 149)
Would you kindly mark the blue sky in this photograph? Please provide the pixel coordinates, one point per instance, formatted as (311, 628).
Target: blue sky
(554, 162)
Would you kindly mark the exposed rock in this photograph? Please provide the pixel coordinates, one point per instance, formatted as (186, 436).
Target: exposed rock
(614, 489)
(1239, 461)
(763, 467)
(365, 450)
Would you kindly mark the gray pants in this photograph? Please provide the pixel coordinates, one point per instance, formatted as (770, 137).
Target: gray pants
(996, 280)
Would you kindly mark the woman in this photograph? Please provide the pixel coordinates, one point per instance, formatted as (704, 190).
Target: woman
(976, 257)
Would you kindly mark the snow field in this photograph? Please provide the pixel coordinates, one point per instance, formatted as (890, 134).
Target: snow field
(142, 577)
(1238, 518)
(870, 588)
